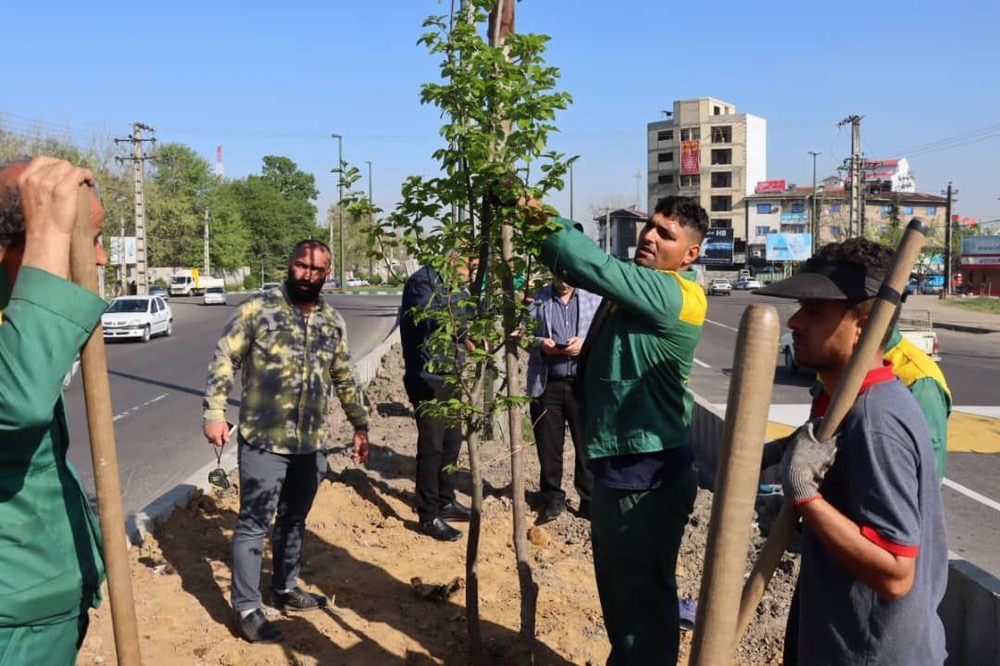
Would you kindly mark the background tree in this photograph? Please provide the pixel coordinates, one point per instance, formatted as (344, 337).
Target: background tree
(177, 193)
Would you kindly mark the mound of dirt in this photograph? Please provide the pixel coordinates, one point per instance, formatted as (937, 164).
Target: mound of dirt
(362, 552)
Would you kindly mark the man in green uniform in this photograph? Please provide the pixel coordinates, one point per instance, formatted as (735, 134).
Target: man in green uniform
(50, 543)
(637, 411)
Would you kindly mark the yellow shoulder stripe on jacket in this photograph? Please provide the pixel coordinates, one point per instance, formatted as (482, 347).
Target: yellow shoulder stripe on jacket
(910, 363)
(694, 306)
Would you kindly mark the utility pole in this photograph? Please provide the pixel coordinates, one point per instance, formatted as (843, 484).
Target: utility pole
(340, 204)
(607, 231)
(121, 256)
(371, 216)
(815, 215)
(138, 168)
(638, 180)
(947, 239)
(207, 266)
(857, 213)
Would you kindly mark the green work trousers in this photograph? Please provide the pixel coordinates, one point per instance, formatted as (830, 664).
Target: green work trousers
(49, 644)
(636, 537)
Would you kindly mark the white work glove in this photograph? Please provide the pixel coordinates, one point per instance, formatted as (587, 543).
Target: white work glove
(805, 463)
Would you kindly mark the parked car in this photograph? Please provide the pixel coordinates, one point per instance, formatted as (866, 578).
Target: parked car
(268, 286)
(161, 292)
(333, 284)
(215, 296)
(932, 284)
(356, 282)
(139, 317)
(719, 286)
(747, 283)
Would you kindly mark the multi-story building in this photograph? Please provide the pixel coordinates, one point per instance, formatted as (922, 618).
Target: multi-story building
(706, 150)
(789, 210)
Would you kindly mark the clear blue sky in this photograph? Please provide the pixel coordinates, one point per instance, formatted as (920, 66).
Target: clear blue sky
(278, 78)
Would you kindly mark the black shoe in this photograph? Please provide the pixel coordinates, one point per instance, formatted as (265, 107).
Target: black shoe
(550, 511)
(455, 511)
(298, 600)
(440, 530)
(258, 629)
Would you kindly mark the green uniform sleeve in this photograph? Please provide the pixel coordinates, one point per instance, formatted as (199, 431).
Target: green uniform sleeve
(44, 325)
(646, 294)
(228, 359)
(936, 405)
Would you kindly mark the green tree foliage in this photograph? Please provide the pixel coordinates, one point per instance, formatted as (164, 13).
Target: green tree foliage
(177, 191)
(499, 103)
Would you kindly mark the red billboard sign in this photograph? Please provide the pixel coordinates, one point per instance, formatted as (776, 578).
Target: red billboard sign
(690, 158)
(770, 186)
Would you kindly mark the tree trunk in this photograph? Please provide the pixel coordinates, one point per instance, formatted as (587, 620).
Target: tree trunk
(529, 588)
(477, 654)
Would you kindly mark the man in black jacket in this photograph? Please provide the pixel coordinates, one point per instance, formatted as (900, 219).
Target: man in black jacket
(438, 443)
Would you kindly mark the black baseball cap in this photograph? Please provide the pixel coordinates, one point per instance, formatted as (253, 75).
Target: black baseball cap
(823, 280)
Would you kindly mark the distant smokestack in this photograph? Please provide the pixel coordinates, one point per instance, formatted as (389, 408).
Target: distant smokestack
(219, 171)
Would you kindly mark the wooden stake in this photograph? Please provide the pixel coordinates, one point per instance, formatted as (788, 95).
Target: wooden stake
(97, 393)
(738, 472)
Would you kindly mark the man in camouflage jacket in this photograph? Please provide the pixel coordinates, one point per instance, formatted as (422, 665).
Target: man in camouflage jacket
(291, 349)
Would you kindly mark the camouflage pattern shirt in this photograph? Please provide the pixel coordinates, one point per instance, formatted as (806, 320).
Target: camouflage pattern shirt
(290, 363)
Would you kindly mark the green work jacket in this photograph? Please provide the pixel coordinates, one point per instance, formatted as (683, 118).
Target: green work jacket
(50, 542)
(639, 355)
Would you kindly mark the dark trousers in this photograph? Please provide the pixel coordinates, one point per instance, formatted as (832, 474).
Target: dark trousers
(636, 537)
(438, 447)
(272, 482)
(551, 412)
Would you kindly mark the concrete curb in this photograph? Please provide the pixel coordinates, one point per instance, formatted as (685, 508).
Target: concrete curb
(965, 328)
(157, 512)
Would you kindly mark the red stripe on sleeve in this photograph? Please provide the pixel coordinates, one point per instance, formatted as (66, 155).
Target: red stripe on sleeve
(883, 543)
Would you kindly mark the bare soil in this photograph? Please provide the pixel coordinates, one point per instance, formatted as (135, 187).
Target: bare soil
(363, 553)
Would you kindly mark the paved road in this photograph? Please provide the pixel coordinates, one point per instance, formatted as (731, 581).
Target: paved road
(971, 363)
(156, 393)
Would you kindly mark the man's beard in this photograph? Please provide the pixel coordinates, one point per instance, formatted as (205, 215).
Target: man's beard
(302, 291)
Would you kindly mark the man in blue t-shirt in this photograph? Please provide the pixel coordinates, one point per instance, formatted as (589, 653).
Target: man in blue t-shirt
(874, 556)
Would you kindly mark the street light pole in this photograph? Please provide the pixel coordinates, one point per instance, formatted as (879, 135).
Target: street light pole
(340, 204)
(947, 239)
(371, 216)
(815, 218)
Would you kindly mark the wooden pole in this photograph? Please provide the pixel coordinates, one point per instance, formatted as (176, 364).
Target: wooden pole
(97, 394)
(879, 320)
(743, 436)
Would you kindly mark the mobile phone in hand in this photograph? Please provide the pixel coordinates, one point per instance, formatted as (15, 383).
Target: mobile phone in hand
(562, 345)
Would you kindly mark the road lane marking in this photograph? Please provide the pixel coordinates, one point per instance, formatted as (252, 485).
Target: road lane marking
(968, 492)
(722, 325)
(133, 410)
(702, 364)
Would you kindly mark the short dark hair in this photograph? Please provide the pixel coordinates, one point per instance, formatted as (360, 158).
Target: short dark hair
(11, 213)
(688, 212)
(311, 242)
(865, 255)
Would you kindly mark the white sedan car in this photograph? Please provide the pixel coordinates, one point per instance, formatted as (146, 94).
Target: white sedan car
(139, 317)
(215, 296)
